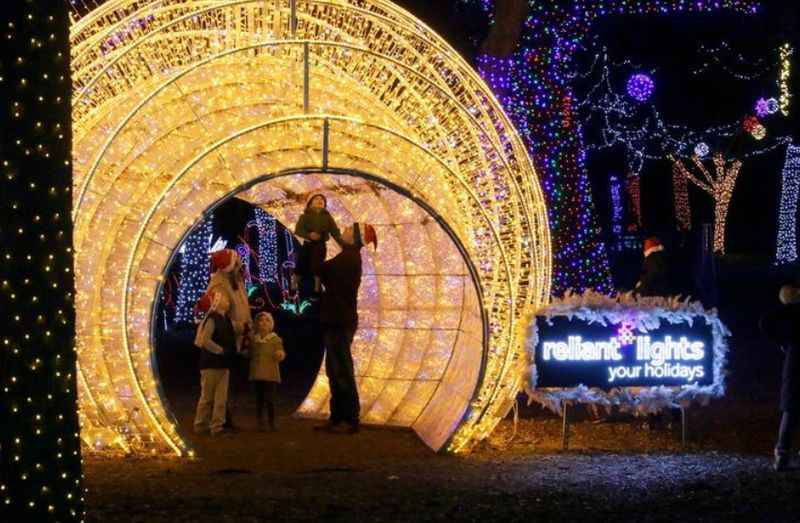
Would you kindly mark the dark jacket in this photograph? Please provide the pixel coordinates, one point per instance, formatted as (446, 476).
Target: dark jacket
(341, 277)
(782, 326)
(655, 278)
(225, 337)
(320, 222)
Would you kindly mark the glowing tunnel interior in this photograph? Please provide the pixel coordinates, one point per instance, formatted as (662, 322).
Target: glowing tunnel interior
(178, 104)
(420, 315)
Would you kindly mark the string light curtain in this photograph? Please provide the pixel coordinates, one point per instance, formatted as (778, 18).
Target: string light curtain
(418, 306)
(40, 462)
(680, 196)
(633, 186)
(534, 85)
(267, 246)
(180, 103)
(787, 217)
(195, 271)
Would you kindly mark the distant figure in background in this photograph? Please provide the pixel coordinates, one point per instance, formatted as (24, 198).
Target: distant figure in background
(216, 337)
(227, 278)
(782, 325)
(655, 278)
(341, 278)
(265, 351)
(315, 226)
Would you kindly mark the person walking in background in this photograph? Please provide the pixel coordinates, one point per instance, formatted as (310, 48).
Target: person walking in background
(341, 278)
(655, 278)
(215, 336)
(315, 226)
(265, 351)
(782, 325)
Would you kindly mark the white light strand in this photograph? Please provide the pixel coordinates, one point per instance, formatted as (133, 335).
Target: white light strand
(194, 270)
(267, 246)
(787, 217)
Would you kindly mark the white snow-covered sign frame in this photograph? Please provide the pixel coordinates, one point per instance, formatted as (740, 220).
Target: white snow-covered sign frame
(642, 315)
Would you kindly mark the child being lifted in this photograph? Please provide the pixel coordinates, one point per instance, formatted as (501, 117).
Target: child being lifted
(315, 226)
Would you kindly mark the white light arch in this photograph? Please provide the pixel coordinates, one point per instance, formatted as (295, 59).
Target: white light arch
(181, 103)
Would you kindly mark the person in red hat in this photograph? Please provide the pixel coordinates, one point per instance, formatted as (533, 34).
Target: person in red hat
(655, 277)
(227, 278)
(341, 278)
(216, 337)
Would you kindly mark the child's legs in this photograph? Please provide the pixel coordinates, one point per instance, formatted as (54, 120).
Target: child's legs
(206, 401)
(221, 377)
(270, 388)
(258, 385)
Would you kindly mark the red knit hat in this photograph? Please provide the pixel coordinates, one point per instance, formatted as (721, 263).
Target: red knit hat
(652, 244)
(204, 304)
(365, 233)
(369, 235)
(224, 260)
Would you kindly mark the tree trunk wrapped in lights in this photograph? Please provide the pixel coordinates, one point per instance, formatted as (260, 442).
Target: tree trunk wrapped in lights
(719, 186)
(534, 84)
(680, 196)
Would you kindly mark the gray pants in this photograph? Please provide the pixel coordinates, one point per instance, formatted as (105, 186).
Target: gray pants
(213, 397)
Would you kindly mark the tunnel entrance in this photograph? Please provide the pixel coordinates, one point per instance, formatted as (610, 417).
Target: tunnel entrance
(179, 104)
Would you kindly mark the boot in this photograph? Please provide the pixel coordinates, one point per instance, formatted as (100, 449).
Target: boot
(781, 461)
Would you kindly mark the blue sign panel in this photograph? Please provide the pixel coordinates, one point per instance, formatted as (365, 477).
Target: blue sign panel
(573, 352)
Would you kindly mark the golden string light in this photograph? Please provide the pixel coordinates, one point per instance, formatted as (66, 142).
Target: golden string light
(719, 186)
(180, 104)
(784, 95)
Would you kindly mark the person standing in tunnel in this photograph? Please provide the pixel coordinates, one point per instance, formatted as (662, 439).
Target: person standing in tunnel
(341, 278)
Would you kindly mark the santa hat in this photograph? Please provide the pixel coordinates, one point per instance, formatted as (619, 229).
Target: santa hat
(364, 233)
(651, 245)
(206, 303)
(224, 260)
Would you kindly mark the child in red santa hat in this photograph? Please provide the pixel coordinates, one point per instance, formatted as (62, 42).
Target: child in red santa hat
(216, 337)
(227, 278)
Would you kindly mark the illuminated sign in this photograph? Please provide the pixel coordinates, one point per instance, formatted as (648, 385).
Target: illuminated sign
(572, 352)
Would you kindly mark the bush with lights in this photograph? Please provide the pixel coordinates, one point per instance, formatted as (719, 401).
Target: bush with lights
(39, 442)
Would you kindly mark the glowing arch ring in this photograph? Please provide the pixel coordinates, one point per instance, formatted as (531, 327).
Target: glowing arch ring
(524, 205)
(90, 174)
(214, 147)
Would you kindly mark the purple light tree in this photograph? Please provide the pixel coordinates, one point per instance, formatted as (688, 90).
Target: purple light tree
(528, 60)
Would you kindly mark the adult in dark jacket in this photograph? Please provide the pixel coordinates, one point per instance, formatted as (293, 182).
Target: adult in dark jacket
(655, 277)
(341, 278)
(782, 325)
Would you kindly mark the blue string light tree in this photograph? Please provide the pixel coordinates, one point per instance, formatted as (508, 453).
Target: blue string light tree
(40, 474)
(528, 60)
(195, 270)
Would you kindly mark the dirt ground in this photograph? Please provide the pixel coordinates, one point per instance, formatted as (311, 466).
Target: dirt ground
(618, 471)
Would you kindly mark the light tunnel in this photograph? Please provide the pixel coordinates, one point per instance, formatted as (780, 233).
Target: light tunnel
(179, 104)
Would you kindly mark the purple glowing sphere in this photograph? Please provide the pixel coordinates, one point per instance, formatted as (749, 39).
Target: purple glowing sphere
(640, 87)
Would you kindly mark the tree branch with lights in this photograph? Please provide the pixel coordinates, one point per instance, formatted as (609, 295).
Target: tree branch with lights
(718, 185)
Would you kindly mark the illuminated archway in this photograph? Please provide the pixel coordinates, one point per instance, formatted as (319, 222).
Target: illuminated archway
(180, 103)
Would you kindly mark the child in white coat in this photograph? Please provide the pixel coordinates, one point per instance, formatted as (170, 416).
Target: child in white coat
(265, 353)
